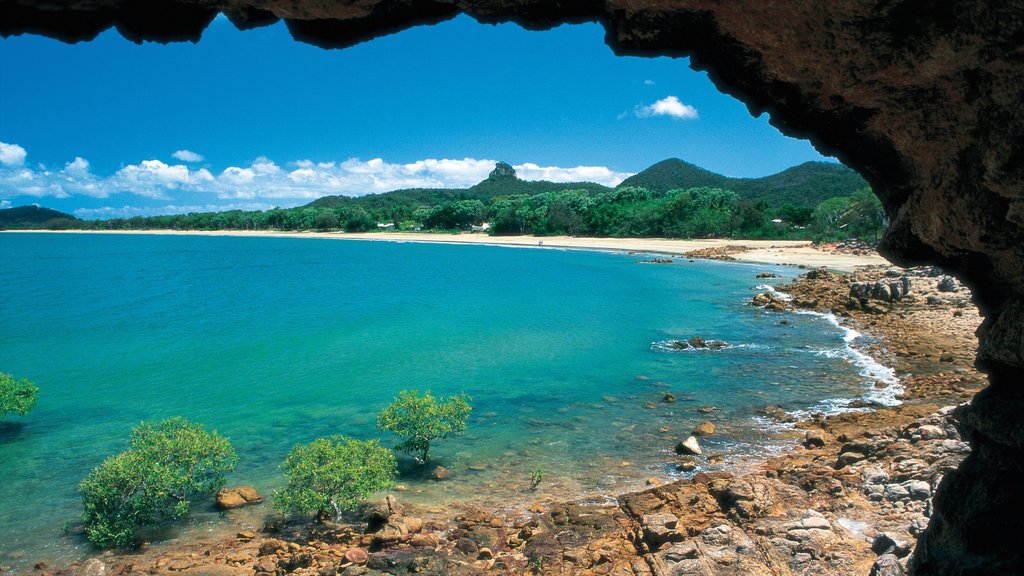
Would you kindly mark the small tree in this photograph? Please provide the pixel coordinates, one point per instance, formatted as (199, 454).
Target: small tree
(152, 481)
(421, 419)
(334, 474)
(17, 396)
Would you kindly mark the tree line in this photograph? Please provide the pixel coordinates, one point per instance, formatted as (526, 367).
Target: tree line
(701, 212)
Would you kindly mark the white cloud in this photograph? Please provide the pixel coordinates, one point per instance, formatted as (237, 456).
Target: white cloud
(649, 82)
(187, 156)
(667, 106)
(12, 154)
(598, 174)
(264, 182)
(5, 204)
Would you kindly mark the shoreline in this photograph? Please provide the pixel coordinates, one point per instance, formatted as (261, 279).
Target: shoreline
(439, 541)
(771, 252)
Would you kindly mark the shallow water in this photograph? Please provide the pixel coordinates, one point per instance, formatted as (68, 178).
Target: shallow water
(276, 341)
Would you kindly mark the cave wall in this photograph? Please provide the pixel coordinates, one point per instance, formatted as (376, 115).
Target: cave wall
(925, 98)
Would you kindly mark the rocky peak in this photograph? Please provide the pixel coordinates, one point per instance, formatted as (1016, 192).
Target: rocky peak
(502, 171)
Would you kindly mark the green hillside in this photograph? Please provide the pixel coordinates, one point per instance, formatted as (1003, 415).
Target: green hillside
(803, 185)
(675, 173)
(31, 217)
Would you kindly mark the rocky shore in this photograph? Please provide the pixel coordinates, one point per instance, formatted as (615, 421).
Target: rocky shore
(850, 498)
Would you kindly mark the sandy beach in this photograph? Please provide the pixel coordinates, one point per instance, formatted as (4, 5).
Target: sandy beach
(784, 252)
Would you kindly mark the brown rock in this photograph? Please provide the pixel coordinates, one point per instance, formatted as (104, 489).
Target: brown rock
(228, 498)
(705, 428)
(440, 473)
(357, 555)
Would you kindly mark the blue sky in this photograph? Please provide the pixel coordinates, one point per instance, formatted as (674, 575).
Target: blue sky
(254, 119)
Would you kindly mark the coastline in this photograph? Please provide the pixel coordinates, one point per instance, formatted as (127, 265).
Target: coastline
(778, 252)
(810, 509)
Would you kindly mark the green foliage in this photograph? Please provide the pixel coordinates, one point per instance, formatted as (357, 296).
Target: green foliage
(334, 474)
(17, 396)
(150, 483)
(858, 216)
(536, 477)
(422, 419)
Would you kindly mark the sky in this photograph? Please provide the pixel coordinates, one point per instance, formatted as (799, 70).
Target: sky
(254, 119)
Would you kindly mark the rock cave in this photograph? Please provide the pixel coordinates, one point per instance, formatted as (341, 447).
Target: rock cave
(924, 98)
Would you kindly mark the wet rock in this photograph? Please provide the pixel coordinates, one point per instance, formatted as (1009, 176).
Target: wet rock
(230, 498)
(272, 546)
(689, 446)
(668, 397)
(440, 473)
(705, 428)
(93, 567)
(357, 555)
(769, 301)
(467, 546)
(686, 465)
(777, 413)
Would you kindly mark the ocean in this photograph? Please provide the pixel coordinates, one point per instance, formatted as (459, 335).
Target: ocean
(278, 341)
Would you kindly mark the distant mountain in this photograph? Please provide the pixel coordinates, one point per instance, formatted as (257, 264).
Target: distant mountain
(30, 217)
(803, 185)
(502, 181)
(675, 173)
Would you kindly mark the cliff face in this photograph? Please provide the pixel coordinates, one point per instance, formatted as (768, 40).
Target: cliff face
(922, 97)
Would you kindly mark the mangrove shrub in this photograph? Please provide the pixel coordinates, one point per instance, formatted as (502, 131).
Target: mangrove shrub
(166, 465)
(17, 396)
(422, 419)
(334, 474)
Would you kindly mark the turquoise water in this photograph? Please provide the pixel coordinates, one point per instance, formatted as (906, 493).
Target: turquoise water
(275, 341)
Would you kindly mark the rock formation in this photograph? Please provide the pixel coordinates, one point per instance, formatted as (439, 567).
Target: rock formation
(922, 98)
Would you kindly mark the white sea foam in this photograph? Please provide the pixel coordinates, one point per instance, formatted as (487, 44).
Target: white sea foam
(874, 372)
(780, 295)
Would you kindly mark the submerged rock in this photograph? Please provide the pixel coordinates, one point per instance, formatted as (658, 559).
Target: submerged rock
(705, 428)
(697, 343)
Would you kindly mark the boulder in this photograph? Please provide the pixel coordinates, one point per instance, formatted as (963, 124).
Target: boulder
(689, 446)
(229, 498)
(814, 439)
(947, 284)
(440, 473)
(381, 510)
(705, 428)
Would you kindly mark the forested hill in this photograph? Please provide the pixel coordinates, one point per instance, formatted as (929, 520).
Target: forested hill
(805, 185)
(501, 182)
(22, 217)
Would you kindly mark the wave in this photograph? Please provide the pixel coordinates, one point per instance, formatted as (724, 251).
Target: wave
(780, 295)
(883, 386)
